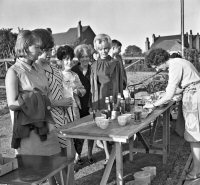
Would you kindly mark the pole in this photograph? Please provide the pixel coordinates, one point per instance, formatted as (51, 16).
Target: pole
(182, 28)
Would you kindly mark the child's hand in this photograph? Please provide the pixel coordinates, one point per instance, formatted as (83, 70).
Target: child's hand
(65, 102)
(77, 92)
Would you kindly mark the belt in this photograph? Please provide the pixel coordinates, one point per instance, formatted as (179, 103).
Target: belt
(193, 88)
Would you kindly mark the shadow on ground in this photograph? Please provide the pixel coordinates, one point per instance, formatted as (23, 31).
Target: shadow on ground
(87, 174)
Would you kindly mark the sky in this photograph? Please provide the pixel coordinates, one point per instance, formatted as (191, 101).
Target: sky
(129, 21)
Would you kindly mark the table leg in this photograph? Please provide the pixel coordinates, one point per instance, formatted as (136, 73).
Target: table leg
(108, 166)
(131, 149)
(166, 135)
(70, 168)
(119, 163)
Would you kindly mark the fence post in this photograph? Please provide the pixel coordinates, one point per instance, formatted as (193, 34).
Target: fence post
(6, 65)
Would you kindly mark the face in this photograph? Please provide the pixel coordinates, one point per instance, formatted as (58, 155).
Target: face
(46, 55)
(84, 60)
(161, 67)
(67, 63)
(103, 51)
(33, 52)
(117, 50)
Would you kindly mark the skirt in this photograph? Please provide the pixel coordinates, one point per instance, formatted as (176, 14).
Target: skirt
(34, 146)
(191, 112)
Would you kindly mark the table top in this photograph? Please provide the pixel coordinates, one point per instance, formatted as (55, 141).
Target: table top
(86, 128)
(34, 169)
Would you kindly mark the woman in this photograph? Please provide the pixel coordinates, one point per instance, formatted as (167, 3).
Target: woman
(106, 77)
(83, 70)
(182, 73)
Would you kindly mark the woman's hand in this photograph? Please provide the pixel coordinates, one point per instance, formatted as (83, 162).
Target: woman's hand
(64, 102)
(148, 106)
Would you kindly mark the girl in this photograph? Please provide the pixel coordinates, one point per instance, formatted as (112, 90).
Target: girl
(106, 77)
(72, 88)
(26, 75)
(54, 78)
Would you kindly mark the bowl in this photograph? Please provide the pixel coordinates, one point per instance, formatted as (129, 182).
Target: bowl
(98, 119)
(124, 119)
(102, 122)
(143, 176)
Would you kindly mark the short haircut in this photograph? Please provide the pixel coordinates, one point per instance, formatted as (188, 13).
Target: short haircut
(25, 39)
(64, 52)
(116, 43)
(82, 50)
(46, 38)
(175, 55)
(156, 57)
(100, 40)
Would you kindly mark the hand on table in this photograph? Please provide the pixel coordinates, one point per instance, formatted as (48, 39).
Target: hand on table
(148, 106)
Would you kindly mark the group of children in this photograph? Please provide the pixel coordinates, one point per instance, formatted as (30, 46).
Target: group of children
(63, 87)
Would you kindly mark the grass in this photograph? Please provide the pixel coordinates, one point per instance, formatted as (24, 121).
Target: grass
(168, 174)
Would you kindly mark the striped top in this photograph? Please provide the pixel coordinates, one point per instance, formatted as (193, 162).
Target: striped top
(56, 93)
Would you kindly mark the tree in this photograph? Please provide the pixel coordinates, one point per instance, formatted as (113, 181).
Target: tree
(192, 56)
(7, 43)
(133, 50)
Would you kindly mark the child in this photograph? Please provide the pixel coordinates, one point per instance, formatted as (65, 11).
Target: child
(115, 53)
(72, 88)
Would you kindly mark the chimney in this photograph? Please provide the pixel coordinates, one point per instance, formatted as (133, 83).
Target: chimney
(197, 43)
(153, 38)
(79, 29)
(190, 39)
(147, 44)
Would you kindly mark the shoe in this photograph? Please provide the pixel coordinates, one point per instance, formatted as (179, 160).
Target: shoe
(79, 162)
(105, 162)
(191, 177)
(91, 160)
(99, 144)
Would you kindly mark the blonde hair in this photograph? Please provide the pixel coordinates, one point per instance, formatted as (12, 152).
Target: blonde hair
(82, 50)
(100, 40)
(25, 39)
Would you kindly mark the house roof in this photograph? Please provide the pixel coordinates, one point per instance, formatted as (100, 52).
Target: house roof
(69, 37)
(169, 43)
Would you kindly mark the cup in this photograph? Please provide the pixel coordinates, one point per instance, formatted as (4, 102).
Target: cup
(137, 115)
(114, 115)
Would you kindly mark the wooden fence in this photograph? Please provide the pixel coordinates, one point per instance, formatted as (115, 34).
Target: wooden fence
(131, 63)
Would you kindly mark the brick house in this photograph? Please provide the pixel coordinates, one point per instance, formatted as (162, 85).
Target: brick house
(74, 36)
(173, 42)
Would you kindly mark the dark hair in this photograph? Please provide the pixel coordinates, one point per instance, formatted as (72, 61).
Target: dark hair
(175, 55)
(116, 43)
(156, 57)
(64, 51)
(46, 38)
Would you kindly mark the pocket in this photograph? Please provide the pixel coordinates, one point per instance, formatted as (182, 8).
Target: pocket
(190, 111)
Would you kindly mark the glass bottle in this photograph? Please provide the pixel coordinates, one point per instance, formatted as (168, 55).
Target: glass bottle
(108, 108)
(118, 102)
(122, 106)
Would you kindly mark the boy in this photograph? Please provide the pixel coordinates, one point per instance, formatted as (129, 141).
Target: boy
(115, 53)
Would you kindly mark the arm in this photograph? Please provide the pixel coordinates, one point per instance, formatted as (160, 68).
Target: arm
(64, 102)
(175, 76)
(78, 88)
(179, 91)
(12, 92)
